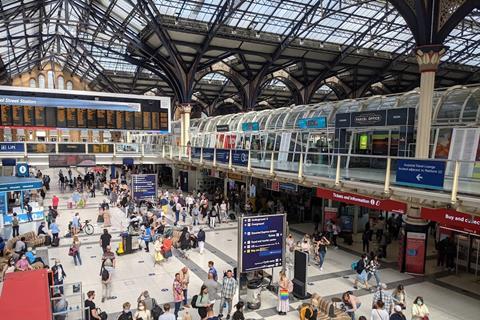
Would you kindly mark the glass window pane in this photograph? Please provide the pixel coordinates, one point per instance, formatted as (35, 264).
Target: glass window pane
(60, 83)
(41, 81)
(33, 83)
(51, 81)
(69, 85)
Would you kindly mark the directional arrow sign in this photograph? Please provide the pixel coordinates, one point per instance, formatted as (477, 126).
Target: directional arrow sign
(427, 174)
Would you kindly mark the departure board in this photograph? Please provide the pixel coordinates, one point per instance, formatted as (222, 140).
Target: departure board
(101, 119)
(51, 117)
(138, 121)
(92, 119)
(71, 118)
(61, 118)
(28, 116)
(17, 115)
(147, 120)
(40, 116)
(129, 120)
(155, 121)
(164, 120)
(6, 115)
(111, 119)
(120, 119)
(40, 147)
(81, 118)
(100, 148)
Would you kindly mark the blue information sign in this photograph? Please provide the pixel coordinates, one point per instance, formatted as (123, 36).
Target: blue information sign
(12, 147)
(22, 170)
(196, 152)
(240, 157)
(250, 126)
(144, 186)
(262, 242)
(312, 123)
(207, 154)
(222, 155)
(421, 173)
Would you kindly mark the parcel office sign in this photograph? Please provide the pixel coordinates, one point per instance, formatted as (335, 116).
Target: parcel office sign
(376, 118)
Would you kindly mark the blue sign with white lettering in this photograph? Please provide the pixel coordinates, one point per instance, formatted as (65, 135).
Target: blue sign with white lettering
(22, 170)
(208, 154)
(144, 186)
(250, 126)
(12, 147)
(240, 157)
(421, 173)
(223, 155)
(263, 242)
(312, 123)
(196, 152)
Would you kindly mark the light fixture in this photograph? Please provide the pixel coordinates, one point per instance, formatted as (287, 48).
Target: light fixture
(301, 42)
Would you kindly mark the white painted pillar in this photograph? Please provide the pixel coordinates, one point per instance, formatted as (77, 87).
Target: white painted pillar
(428, 58)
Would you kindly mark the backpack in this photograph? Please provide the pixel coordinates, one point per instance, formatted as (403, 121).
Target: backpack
(105, 274)
(193, 302)
(359, 266)
(354, 265)
(156, 311)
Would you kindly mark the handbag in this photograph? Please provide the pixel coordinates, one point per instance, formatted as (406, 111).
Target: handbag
(72, 251)
(425, 318)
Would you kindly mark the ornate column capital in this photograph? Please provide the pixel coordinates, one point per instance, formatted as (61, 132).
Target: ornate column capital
(428, 57)
(185, 108)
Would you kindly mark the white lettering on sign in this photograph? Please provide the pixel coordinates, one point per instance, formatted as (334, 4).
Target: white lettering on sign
(420, 168)
(372, 202)
(462, 219)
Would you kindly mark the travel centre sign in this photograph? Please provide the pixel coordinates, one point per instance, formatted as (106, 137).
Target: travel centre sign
(363, 201)
(452, 219)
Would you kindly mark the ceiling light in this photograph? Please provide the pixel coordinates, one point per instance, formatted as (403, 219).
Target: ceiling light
(301, 42)
(257, 34)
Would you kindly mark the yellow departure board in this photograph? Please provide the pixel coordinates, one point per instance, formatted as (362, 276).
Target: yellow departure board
(120, 120)
(92, 119)
(101, 119)
(81, 118)
(147, 120)
(17, 115)
(40, 116)
(155, 119)
(61, 118)
(129, 120)
(6, 115)
(28, 116)
(71, 118)
(111, 119)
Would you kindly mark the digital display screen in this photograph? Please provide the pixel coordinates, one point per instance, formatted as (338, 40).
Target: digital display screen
(28, 116)
(155, 121)
(71, 148)
(81, 118)
(40, 148)
(129, 120)
(138, 121)
(262, 242)
(61, 118)
(120, 119)
(40, 116)
(111, 119)
(51, 117)
(71, 118)
(91, 119)
(147, 121)
(63, 161)
(101, 119)
(17, 115)
(6, 115)
(100, 148)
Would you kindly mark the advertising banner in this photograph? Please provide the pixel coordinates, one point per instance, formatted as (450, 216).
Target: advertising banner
(144, 186)
(240, 157)
(77, 160)
(250, 126)
(421, 173)
(452, 219)
(262, 239)
(363, 201)
(222, 155)
(196, 152)
(415, 253)
(71, 148)
(208, 154)
(329, 214)
(12, 147)
(312, 123)
(223, 128)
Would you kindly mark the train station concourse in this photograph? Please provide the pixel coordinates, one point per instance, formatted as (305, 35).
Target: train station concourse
(240, 159)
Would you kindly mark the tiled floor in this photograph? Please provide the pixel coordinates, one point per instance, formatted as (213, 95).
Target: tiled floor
(136, 272)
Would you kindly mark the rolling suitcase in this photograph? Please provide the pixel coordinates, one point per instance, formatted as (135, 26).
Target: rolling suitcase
(48, 240)
(55, 242)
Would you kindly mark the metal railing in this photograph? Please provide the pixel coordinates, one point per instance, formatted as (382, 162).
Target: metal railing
(461, 177)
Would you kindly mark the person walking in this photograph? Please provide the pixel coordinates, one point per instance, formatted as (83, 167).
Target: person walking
(284, 289)
(382, 295)
(212, 270)
(15, 225)
(378, 312)
(322, 250)
(419, 309)
(451, 253)
(54, 230)
(229, 287)
(372, 269)
(177, 294)
(185, 280)
(195, 214)
(351, 302)
(105, 239)
(75, 248)
(366, 241)
(212, 215)
(76, 223)
(306, 247)
(212, 286)
(361, 269)
(55, 202)
(106, 283)
(203, 302)
(58, 275)
(201, 240)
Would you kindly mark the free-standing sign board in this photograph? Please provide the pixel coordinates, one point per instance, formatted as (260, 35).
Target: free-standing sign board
(415, 252)
(144, 186)
(262, 241)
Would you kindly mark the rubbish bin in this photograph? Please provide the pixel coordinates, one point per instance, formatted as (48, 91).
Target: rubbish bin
(254, 299)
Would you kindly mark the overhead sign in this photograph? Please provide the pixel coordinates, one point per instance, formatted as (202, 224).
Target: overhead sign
(376, 118)
(222, 155)
(12, 147)
(18, 184)
(250, 126)
(452, 219)
(22, 170)
(262, 239)
(196, 152)
(71, 148)
(74, 160)
(208, 154)
(144, 186)
(363, 201)
(240, 157)
(312, 123)
(421, 173)
(223, 128)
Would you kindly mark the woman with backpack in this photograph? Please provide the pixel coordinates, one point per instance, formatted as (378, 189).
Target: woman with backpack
(361, 268)
(284, 289)
(201, 301)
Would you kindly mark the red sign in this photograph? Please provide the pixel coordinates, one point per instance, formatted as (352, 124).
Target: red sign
(415, 253)
(364, 201)
(452, 219)
(329, 214)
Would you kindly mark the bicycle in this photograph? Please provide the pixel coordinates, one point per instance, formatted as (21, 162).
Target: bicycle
(87, 227)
